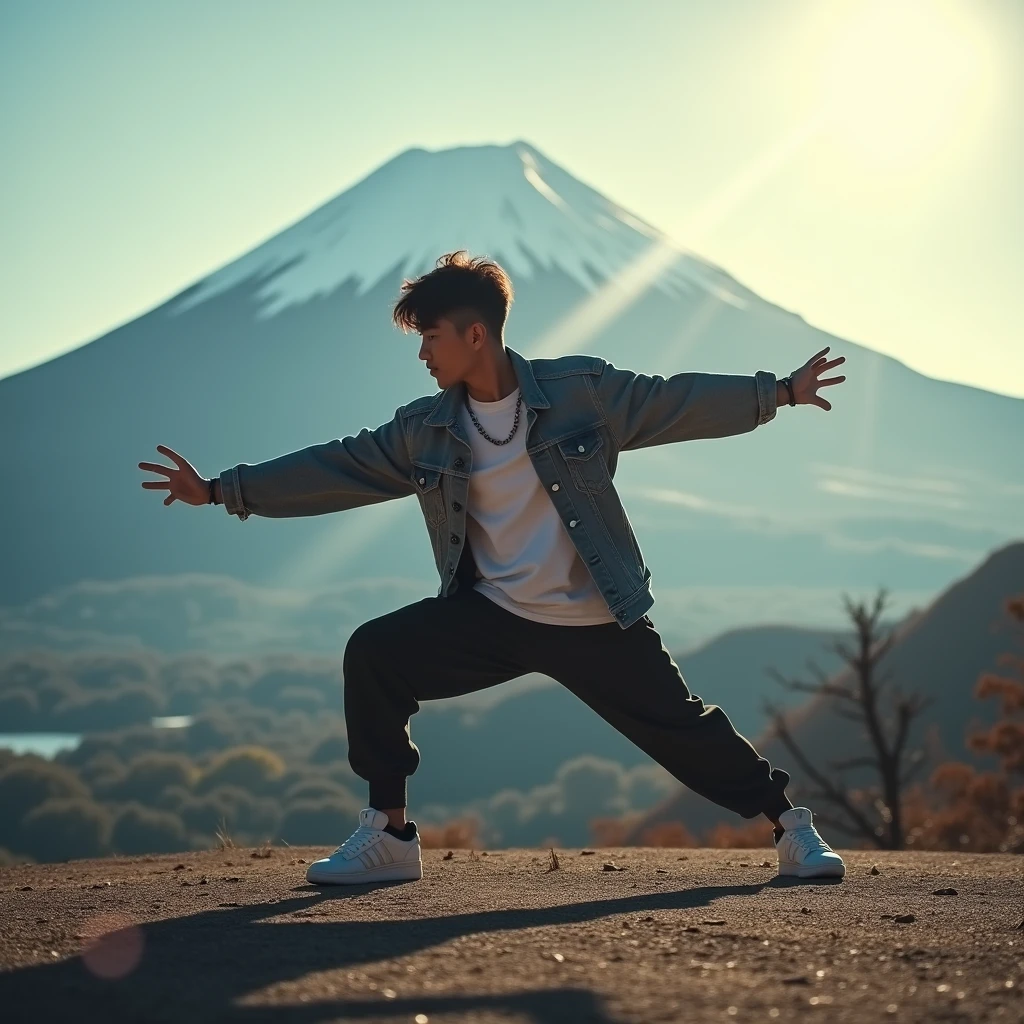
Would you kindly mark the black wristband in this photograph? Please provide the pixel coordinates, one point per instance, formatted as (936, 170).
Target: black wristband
(213, 495)
(788, 381)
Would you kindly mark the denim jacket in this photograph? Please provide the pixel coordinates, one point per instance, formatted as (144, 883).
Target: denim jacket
(581, 411)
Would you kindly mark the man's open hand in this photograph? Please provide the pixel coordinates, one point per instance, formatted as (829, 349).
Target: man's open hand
(806, 383)
(184, 483)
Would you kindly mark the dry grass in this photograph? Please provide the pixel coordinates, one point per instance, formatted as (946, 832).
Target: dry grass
(224, 840)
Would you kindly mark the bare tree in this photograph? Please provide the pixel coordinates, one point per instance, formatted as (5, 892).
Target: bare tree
(864, 696)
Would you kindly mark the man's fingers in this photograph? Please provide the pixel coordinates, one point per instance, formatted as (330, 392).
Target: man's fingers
(828, 365)
(171, 454)
(154, 468)
(818, 355)
(831, 380)
(169, 499)
(157, 485)
(822, 366)
(819, 401)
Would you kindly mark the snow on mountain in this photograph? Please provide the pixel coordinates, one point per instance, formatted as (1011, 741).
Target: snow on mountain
(509, 202)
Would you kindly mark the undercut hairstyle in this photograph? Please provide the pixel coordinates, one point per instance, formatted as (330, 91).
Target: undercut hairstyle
(462, 289)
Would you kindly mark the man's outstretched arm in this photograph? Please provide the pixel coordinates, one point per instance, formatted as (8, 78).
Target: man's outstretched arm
(368, 467)
(645, 410)
(360, 469)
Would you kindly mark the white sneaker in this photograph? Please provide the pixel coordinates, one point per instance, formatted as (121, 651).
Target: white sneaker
(802, 852)
(369, 855)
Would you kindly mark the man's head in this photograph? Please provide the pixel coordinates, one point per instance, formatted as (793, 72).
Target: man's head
(459, 309)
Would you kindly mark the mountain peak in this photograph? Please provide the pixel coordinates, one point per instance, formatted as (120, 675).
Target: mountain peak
(509, 202)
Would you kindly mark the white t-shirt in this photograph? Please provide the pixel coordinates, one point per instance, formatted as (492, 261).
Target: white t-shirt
(526, 561)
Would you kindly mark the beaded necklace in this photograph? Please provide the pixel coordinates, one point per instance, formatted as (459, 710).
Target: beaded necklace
(515, 423)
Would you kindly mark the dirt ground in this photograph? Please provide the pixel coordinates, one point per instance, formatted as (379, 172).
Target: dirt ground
(675, 935)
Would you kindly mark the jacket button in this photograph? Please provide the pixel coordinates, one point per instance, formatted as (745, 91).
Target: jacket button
(423, 480)
(459, 463)
(455, 538)
(572, 522)
(554, 487)
(456, 506)
(451, 569)
(581, 448)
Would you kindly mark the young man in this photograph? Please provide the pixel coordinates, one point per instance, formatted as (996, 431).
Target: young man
(512, 465)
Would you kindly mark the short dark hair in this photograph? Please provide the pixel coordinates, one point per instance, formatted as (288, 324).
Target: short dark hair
(462, 289)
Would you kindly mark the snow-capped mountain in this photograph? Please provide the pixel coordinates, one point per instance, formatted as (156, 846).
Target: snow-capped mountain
(509, 201)
(907, 482)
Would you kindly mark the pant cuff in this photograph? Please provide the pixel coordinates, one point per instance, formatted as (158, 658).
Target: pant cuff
(389, 792)
(772, 799)
(777, 801)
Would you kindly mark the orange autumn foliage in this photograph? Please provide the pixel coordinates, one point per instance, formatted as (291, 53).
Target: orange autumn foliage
(669, 833)
(613, 831)
(981, 812)
(674, 834)
(754, 835)
(458, 834)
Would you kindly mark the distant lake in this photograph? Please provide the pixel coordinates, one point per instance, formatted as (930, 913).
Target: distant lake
(45, 744)
(171, 722)
(49, 744)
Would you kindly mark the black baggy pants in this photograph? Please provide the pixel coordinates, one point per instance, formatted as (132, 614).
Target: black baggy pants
(446, 646)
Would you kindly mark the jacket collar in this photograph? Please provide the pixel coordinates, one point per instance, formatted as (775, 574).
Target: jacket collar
(446, 409)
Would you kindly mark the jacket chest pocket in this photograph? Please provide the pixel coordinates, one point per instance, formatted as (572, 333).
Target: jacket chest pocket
(584, 455)
(430, 493)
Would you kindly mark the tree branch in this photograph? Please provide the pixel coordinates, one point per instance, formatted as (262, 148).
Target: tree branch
(830, 792)
(830, 822)
(852, 716)
(864, 693)
(825, 689)
(853, 762)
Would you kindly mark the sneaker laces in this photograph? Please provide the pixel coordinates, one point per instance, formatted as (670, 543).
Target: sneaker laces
(362, 836)
(807, 838)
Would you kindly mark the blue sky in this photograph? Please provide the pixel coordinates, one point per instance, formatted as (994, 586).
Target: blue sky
(147, 145)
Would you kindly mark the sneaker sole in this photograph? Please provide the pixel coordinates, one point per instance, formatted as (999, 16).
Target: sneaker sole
(384, 873)
(822, 871)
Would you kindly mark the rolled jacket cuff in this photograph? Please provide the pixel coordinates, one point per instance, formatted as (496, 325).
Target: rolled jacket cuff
(766, 396)
(231, 492)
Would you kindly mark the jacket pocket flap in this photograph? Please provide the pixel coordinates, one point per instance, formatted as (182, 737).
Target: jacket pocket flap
(424, 478)
(581, 446)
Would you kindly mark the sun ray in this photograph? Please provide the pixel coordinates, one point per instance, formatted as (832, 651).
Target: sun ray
(350, 534)
(574, 330)
(692, 328)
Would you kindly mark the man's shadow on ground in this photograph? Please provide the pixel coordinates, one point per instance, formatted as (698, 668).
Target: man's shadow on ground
(202, 966)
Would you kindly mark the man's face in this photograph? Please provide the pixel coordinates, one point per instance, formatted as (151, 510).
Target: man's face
(448, 351)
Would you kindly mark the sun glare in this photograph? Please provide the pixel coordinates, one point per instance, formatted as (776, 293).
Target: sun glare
(904, 78)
